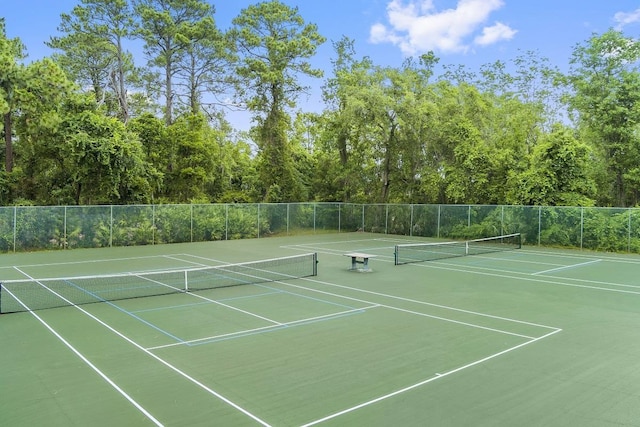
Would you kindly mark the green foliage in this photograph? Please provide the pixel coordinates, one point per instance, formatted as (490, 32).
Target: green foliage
(171, 30)
(273, 44)
(191, 161)
(389, 134)
(92, 52)
(108, 161)
(11, 53)
(559, 173)
(605, 80)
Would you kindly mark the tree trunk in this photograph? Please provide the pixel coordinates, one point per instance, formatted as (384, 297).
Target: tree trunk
(8, 140)
(122, 93)
(168, 113)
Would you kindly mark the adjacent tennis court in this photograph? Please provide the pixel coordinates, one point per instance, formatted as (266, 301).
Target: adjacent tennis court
(283, 331)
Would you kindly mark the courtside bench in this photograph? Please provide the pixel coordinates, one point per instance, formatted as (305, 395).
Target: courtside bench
(359, 258)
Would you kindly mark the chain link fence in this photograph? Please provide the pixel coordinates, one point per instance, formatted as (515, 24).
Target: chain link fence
(28, 228)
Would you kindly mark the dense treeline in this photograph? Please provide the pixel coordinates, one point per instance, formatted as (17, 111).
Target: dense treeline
(93, 124)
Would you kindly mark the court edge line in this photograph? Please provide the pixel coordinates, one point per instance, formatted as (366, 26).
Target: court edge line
(439, 375)
(92, 261)
(592, 255)
(421, 383)
(88, 363)
(560, 281)
(567, 267)
(158, 358)
(413, 312)
(128, 313)
(430, 304)
(529, 249)
(265, 328)
(442, 265)
(400, 298)
(230, 307)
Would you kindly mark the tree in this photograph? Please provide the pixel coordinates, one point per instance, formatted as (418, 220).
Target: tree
(202, 72)
(338, 178)
(461, 154)
(157, 147)
(559, 173)
(69, 151)
(106, 162)
(11, 70)
(194, 156)
(274, 44)
(172, 30)
(40, 99)
(605, 82)
(380, 125)
(93, 49)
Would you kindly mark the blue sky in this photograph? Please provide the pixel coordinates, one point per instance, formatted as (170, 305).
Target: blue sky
(460, 32)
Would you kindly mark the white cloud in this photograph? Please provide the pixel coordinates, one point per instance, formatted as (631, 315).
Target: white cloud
(626, 18)
(416, 26)
(494, 34)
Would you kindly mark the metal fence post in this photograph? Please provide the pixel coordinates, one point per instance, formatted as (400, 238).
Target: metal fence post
(386, 219)
(15, 227)
(64, 232)
(111, 226)
(581, 226)
(629, 232)
(411, 222)
(539, 224)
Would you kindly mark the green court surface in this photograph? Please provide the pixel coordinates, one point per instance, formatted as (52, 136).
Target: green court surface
(529, 337)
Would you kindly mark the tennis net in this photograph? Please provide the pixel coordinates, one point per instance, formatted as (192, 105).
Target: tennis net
(38, 294)
(420, 252)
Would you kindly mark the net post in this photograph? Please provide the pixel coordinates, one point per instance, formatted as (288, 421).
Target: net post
(186, 281)
(395, 255)
(466, 248)
(315, 264)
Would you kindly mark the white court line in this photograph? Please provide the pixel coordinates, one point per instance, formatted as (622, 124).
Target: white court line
(175, 258)
(603, 256)
(152, 355)
(381, 258)
(416, 302)
(421, 383)
(264, 328)
(92, 261)
(527, 277)
(438, 375)
(567, 267)
(459, 268)
(372, 305)
(445, 319)
(266, 319)
(335, 242)
(84, 359)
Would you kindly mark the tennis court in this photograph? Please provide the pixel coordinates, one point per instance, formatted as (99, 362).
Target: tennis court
(527, 337)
